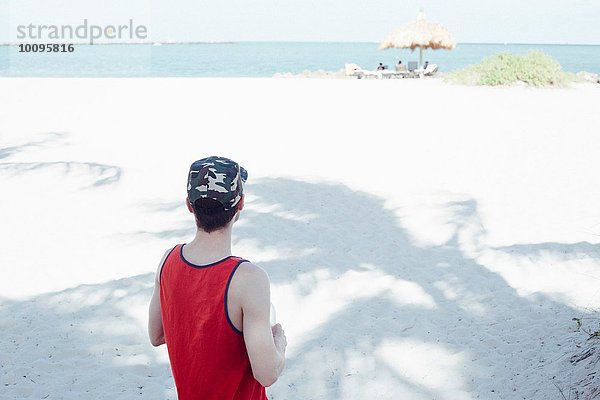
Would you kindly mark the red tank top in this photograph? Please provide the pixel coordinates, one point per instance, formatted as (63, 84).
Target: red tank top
(207, 353)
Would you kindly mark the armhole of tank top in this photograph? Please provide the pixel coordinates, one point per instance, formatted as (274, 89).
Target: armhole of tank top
(236, 330)
(163, 264)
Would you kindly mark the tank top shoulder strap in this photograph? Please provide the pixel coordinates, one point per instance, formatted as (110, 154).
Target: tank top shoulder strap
(235, 262)
(173, 250)
(239, 260)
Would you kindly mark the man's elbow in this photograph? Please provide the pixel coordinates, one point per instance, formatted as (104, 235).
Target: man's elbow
(157, 341)
(268, 376)
(266, 379)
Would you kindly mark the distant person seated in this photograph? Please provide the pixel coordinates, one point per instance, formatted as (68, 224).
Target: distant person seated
(425, 65)
(381, 67)
(400, 67)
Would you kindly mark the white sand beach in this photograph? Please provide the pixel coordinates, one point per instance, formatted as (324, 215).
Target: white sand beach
(423, 240)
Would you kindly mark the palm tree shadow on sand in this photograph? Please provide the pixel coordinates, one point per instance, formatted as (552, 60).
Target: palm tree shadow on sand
(98, 174)
(446, 328)
(47, 139)
(442, 327)
(384, 345)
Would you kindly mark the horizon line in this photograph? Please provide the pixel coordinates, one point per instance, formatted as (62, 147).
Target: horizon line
(217, 42)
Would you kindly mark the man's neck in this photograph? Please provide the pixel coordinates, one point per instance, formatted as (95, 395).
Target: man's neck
(207, 248)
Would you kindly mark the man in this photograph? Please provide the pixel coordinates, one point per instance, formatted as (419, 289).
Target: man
(211, 308)
(400, 67)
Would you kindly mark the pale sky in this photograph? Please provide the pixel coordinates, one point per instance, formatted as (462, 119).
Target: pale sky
(479, 21)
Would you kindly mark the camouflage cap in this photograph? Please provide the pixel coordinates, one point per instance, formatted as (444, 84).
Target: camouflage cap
(216, 178)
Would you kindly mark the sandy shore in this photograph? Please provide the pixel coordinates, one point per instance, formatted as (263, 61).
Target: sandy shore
(424, 241)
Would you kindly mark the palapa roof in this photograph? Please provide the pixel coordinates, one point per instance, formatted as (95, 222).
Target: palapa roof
(420, 33)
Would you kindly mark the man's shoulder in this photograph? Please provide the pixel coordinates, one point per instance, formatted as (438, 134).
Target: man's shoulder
(247, 268)
(250, 286)
(251, 275)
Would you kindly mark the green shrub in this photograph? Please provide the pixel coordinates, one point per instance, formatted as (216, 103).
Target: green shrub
(534, 68)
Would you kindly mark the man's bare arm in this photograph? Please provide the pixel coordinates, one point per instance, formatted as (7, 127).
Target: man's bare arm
(266, 346)
(155, 327)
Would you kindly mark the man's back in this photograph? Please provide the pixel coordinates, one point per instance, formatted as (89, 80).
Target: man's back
(207, 352)
(210, 308)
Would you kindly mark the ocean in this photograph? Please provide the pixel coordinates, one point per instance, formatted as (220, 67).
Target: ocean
(259, 59)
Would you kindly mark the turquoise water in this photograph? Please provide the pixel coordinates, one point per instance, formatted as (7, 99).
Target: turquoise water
(259, 59)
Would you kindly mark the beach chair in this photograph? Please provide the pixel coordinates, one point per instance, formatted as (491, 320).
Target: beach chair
(353, 70)
(413, 70)
(401, 74)
(430, 70)
(400, 71)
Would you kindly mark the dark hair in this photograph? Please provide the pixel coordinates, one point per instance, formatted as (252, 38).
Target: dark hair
(210, 215)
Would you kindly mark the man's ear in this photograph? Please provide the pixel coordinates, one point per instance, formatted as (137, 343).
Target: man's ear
(241, 203)
(189, 205)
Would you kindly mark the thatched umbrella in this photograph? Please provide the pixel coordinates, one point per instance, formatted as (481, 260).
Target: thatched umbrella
(422, 34)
